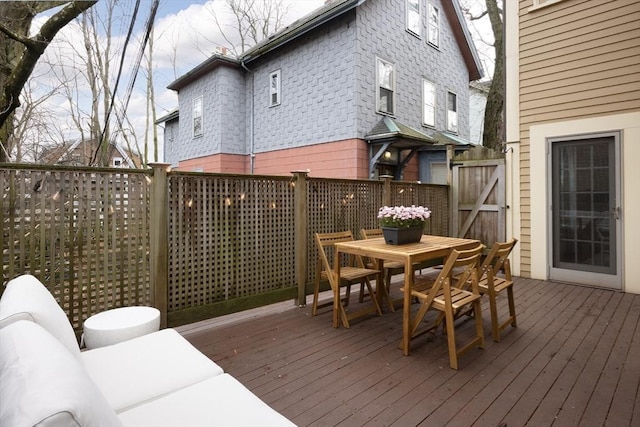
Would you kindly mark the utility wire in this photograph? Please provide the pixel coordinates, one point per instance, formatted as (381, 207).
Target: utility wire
(115, 89)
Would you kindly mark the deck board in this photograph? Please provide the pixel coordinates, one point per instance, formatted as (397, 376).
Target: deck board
(572, 360)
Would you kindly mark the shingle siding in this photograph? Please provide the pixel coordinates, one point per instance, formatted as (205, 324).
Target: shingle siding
(223, 110)
(317, 90)
(382, 33)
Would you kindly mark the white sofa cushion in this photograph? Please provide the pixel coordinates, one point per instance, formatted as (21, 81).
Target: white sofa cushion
(218, 401)
(132, 372)
(42, 384)
(26, 298)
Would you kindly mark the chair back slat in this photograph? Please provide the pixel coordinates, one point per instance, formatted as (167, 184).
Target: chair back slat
(467, 261)
(497, 257)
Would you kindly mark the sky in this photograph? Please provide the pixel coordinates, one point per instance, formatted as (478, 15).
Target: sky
(185, 34)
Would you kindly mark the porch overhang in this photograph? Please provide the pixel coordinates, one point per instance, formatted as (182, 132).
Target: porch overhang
(388, 133)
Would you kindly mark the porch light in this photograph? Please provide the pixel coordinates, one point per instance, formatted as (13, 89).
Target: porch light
(387, 155)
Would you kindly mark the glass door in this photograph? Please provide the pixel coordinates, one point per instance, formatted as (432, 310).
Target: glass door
(585, 212)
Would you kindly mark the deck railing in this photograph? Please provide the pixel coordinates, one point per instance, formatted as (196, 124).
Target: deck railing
(195, 245)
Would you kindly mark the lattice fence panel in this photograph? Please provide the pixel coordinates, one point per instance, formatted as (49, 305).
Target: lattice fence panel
(339, 205)
(435, 197)
(83, 233)
(230, 236)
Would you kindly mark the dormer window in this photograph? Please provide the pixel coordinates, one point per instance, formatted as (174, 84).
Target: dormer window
(386, 83)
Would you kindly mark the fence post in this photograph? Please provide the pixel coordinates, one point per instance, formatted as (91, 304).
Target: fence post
(159, 240)
(386, 190)
(300, 219)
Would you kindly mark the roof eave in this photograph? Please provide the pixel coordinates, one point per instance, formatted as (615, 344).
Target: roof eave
(201, 69)
(315, 19)
(464, 39)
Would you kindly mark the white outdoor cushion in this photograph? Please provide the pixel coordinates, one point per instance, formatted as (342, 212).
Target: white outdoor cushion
(42, 384)
(218, 401)
(132, 372)
(26, 298)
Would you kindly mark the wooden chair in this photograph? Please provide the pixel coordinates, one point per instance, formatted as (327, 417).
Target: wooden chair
(491, 284)
(352, 271)
(442, 296)
(389, 267)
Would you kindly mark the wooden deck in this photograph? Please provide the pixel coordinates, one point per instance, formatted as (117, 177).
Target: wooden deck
(573, 360)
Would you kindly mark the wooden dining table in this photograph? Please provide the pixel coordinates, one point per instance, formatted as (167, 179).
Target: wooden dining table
(429, 248)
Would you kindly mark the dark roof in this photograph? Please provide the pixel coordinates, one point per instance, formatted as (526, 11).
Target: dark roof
(203, 68)
(401, 136)
(169, 117)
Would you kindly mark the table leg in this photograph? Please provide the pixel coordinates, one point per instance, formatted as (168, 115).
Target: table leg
(334, 281)
(406, 307)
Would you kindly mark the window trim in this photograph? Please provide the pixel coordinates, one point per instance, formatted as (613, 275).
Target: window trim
(198, 104)
(435, 102)
(540, 4)
(277, 91)
(418, 32)
(379, 86)
(430, 41)
(449, 129)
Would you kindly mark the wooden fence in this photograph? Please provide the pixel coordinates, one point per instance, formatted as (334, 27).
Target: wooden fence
(194, 245)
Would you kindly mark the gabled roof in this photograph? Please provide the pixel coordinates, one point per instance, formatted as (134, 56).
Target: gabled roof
(57, 154)
(320, 16)
(401, 136)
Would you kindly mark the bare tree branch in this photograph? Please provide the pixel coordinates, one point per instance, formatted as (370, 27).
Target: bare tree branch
(17, 69)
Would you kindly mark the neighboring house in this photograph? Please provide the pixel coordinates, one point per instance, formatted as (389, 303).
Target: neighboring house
(573, 140)
(478, 93)
(82, 153)
(353, 90)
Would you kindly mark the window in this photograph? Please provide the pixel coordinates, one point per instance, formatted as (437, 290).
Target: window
(117, 162)
(385, 87)
(452, 112)
(428, 103)
(274, 88)
(414, 20)
(434, 25)
(538, 4)
(197, 117)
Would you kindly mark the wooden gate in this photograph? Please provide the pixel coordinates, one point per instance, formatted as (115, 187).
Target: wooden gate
(479, 196)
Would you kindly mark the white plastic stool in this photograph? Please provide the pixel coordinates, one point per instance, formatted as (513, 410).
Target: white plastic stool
(119, 324)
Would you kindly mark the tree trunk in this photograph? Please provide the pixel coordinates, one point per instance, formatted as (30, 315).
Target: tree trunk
(20, 53)
(493, 133)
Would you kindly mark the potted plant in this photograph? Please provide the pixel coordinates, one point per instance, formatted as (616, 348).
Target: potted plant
(403, 224)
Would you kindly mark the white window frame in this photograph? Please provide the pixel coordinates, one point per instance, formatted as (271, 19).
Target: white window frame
(433, 25)
(414, 17)
(197, 120)
(429, 104)
(118, 159)
(452, 113)
(389, 86)
(275, 88)
(539, 4)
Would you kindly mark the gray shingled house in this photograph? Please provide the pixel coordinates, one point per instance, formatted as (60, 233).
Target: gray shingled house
(356, 89)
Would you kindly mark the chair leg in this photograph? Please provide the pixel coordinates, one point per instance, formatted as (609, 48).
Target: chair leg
(373, 295)
(451, 339)
(493, 308)
(477, 314)
(316, 290)
(512, 306)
